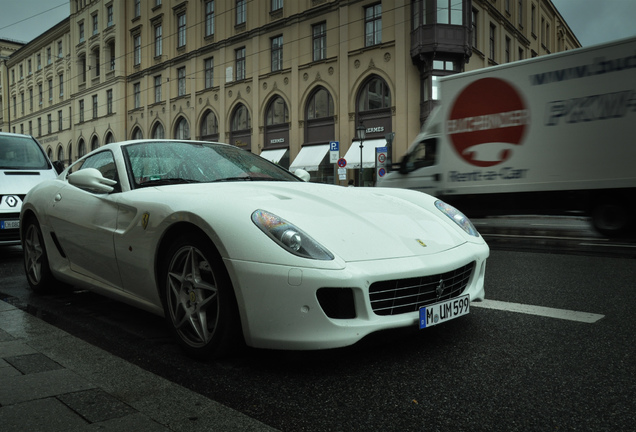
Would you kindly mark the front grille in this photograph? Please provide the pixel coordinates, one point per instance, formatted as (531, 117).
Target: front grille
(409, 295)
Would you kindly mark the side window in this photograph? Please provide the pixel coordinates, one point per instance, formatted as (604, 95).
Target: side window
(425, 153)
(104, 162)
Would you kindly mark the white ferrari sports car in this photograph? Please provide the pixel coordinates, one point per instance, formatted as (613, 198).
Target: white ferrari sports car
(233, 249)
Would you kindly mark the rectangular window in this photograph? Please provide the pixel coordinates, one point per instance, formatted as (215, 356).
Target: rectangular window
(60, 125)
(241, 11)
(59, 50)
(109, 101)
(22, 103)
(491, 51)
(373, 25)
(95, 24)
(158, 88)
(181, 30)
(209, 18)
(94, 106)
(31, 99)
(40, 126)
(41, 96)
(21, 72)
(49, 59)
(209, 73)
(81, 111)
(137, 94)
(39, 61)
(181, 82)
(137, 8)
(319, 38)
(520, 16)
(474, 27)
(449, 12)
(109, 14)
(507, 48)
(81, 32)
(240, 63)
(533, 15)
(158, 40)
(277, 5)
(29, 67)
(277, 53)
(137, 50)
(50, 82)
(49, 126)
(61, 81)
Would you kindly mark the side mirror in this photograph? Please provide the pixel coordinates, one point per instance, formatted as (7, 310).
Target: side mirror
(304, 175)
(92, 180)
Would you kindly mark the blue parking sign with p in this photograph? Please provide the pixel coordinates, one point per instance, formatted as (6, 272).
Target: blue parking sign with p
(334, 145)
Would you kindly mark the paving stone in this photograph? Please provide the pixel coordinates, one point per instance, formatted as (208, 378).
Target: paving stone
(22, 388)
(42, 415)
(95, 405)
(32, 363)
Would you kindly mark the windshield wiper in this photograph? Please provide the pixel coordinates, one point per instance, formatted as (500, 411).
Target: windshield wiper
(167, 181)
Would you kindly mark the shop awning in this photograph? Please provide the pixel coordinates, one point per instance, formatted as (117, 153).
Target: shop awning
(309, 158)
(274, 155)
(368, 153)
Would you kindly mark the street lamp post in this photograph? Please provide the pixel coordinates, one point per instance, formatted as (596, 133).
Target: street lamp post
(361, 133)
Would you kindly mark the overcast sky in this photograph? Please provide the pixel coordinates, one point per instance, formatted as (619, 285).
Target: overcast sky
(592, 21)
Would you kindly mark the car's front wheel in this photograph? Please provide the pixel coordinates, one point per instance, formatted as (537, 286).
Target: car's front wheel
(199, 301)
(36, 261)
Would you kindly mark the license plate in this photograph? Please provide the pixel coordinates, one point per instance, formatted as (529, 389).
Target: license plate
(444, 311)
(10, 224)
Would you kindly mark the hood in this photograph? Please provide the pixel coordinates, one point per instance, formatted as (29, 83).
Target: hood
(19, 182)
(353, 223)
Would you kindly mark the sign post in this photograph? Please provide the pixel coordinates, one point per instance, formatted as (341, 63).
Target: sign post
(381, 162)
(334, 155)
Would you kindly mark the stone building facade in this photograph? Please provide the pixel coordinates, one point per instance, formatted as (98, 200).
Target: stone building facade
(279, 78)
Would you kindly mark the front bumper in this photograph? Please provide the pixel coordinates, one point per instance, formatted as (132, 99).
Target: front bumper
(279, 306)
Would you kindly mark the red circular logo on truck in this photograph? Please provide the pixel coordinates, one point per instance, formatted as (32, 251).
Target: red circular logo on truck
(487, 121)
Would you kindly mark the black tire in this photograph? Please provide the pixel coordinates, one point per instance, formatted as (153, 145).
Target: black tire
(199, 302)
(611, 220)
(36, 259)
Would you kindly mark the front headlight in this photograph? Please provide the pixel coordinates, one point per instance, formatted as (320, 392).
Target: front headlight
(458, 217)
(290, 237)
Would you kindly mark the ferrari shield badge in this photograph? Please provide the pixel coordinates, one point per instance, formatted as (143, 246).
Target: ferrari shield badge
(144, 220)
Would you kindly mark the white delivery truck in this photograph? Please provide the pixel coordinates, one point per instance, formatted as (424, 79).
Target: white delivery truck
(546, 135)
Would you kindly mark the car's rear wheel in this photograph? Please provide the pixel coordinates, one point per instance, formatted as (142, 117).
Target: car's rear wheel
(199, 301)
(36, 260)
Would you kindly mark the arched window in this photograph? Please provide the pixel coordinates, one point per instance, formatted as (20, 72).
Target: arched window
(137, 134)
(209, 127)
(240, 128)
(49, 153)
(158, 132)
(320, 104)
(94, 143)
(60, 153)
(182, 129)
(70, 153)
(277, 112)
(81, 148)
(374, 94)
(241, 119)
(110, 138)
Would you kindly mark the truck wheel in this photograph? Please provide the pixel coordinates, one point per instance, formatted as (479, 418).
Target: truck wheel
(611, 219)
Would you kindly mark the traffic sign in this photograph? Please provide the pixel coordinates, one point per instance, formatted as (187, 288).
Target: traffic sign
(334, 151)
(342, 162)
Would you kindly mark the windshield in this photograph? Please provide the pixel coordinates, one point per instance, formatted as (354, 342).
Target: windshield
(21, 152)
(153, 163)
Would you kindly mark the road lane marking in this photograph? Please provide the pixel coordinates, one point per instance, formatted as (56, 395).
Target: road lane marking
(543, 237)
(585, 317)
(608, 244)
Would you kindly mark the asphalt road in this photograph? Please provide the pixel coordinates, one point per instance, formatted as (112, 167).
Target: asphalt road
(495, 369)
